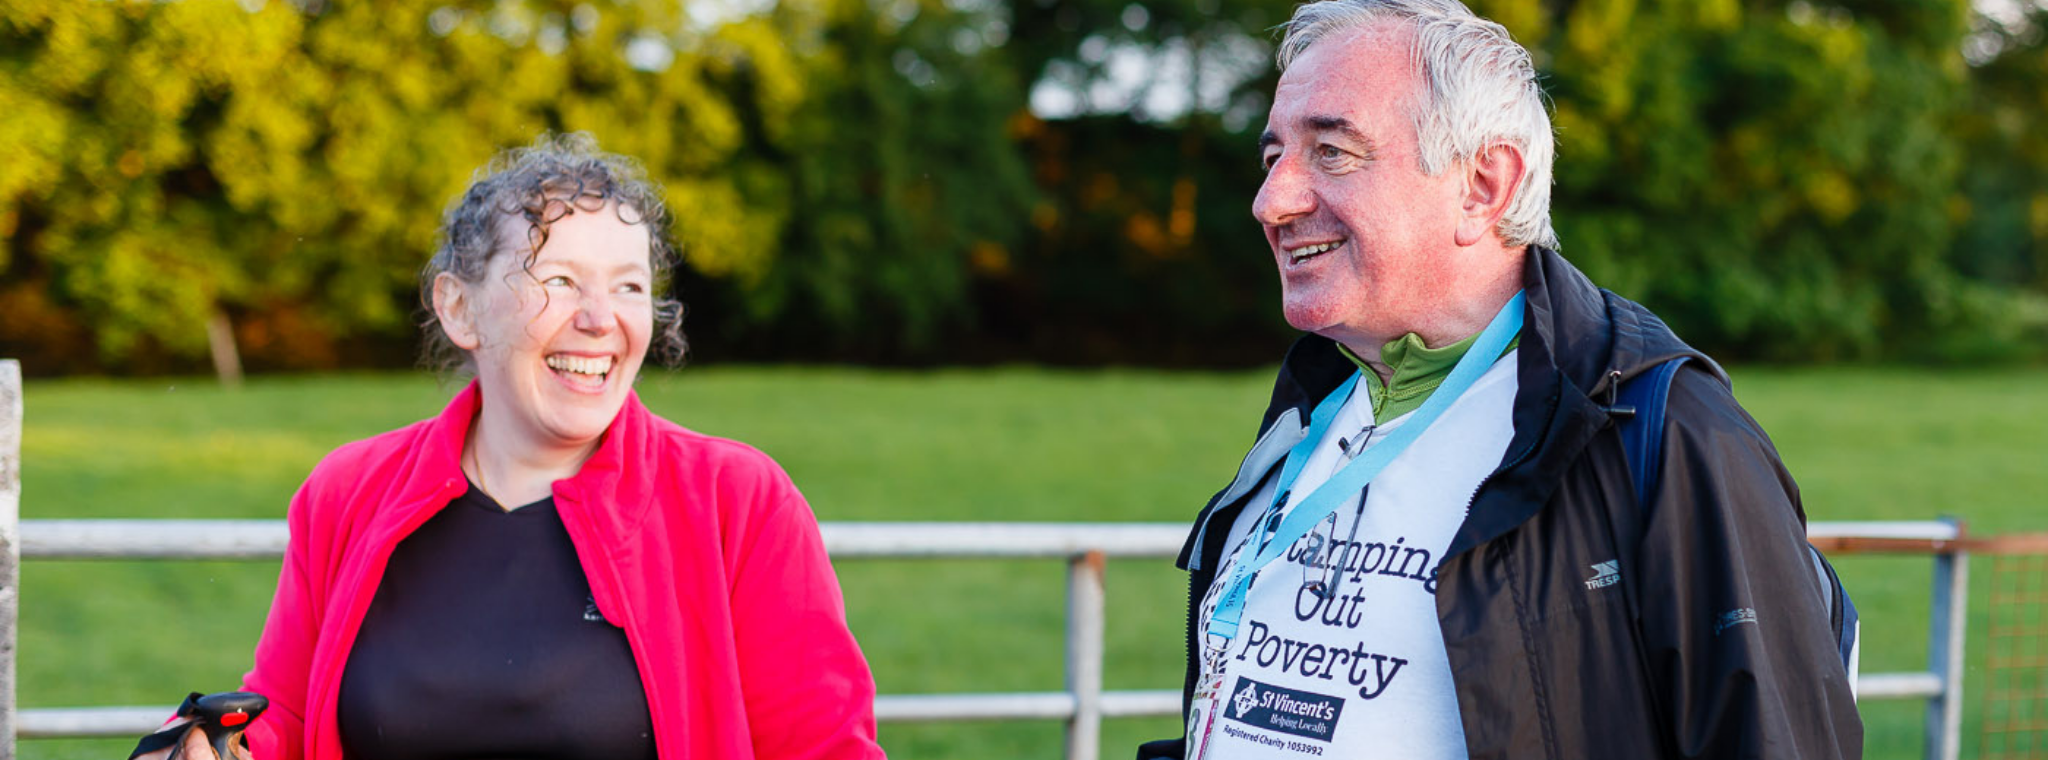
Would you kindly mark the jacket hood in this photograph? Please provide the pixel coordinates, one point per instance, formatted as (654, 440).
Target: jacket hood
(1589, 334)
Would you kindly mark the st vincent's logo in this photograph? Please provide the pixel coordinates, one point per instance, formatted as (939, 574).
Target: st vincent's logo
(1247, 697)
(1283, 710)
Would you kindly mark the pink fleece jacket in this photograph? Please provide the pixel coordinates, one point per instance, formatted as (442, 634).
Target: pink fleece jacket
(700, 547)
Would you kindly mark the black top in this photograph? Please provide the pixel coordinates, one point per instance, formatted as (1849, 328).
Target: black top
(483, 642)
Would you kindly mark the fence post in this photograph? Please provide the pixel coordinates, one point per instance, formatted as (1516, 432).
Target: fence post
(1947, 614)
(10, 543)
(1084, 654)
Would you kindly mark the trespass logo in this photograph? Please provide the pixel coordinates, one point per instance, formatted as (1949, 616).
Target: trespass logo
(1288, 711)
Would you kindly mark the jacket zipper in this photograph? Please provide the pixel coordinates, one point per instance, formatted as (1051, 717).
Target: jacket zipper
(1520, 456)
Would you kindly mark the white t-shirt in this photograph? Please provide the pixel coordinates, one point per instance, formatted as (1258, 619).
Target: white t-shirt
(1338, 652)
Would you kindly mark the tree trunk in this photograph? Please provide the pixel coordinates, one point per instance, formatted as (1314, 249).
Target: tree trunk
(227, 360)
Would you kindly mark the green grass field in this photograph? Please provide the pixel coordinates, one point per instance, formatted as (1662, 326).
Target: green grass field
(1014, 444)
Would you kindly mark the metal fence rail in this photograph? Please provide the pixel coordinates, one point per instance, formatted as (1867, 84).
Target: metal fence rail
(1085, 547)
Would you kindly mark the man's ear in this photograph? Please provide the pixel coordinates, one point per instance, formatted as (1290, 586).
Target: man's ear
(453, 308)
(1491, 179)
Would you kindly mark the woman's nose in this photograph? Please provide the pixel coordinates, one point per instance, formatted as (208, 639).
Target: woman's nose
(594, 313)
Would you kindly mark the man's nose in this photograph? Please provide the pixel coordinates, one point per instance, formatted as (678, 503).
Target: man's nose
(1285, 195)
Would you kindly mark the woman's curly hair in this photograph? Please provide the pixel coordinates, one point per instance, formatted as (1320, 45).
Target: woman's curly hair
(556, 176)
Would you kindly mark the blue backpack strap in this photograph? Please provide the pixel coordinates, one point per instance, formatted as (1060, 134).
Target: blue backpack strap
(1642, 436)
(1642, 442)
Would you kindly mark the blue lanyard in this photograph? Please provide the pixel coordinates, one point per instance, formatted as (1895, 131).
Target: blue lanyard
(1354, 476)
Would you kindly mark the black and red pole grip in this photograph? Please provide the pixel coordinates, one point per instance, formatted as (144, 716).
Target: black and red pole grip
(221, 716)
(224, 716)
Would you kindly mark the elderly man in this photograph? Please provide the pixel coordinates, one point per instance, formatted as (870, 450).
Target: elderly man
(1435, 548)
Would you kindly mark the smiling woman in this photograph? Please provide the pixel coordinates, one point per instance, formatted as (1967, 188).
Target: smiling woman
(556, 337)
(547, 569)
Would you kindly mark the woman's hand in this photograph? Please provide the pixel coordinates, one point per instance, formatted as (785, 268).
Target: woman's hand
(193, 747)
(221, 718)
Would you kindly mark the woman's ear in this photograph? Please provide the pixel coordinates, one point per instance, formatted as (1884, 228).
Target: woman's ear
(453, 308)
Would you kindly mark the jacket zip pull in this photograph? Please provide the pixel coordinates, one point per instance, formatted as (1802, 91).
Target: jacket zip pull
(1620, 412)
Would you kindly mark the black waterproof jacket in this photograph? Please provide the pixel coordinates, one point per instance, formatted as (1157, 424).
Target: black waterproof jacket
(1718, 643)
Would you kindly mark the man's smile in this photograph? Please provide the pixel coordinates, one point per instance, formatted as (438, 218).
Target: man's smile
(1312, 250)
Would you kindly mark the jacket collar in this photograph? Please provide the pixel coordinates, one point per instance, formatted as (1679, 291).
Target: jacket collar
(609, 479)
(616, 485)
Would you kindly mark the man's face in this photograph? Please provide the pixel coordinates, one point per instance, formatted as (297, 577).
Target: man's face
(1365, 242)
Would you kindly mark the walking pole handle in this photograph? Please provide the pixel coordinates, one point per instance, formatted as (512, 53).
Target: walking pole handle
(221, 716)
(224, 716)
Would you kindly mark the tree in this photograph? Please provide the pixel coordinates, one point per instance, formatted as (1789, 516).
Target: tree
(896, 173)
(1779, 179)
(285, 166)
(988, 180)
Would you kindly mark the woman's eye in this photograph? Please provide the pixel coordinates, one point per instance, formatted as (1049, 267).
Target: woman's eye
(556, 281)
(632, 287)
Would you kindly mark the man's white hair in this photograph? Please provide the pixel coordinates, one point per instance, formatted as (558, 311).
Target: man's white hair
(1479, 89)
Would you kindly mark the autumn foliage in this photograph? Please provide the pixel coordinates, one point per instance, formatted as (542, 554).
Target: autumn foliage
(925, 181)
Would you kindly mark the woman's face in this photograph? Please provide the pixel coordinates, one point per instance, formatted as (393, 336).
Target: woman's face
(557, 345)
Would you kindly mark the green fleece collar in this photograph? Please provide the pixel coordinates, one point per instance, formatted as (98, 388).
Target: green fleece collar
(1417, 371)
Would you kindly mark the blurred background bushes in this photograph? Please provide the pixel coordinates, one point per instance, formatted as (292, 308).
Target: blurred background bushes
(971, 181)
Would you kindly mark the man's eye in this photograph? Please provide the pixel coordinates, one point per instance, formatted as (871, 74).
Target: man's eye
(1329, 152)
(632, 287)
(1267, 161)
